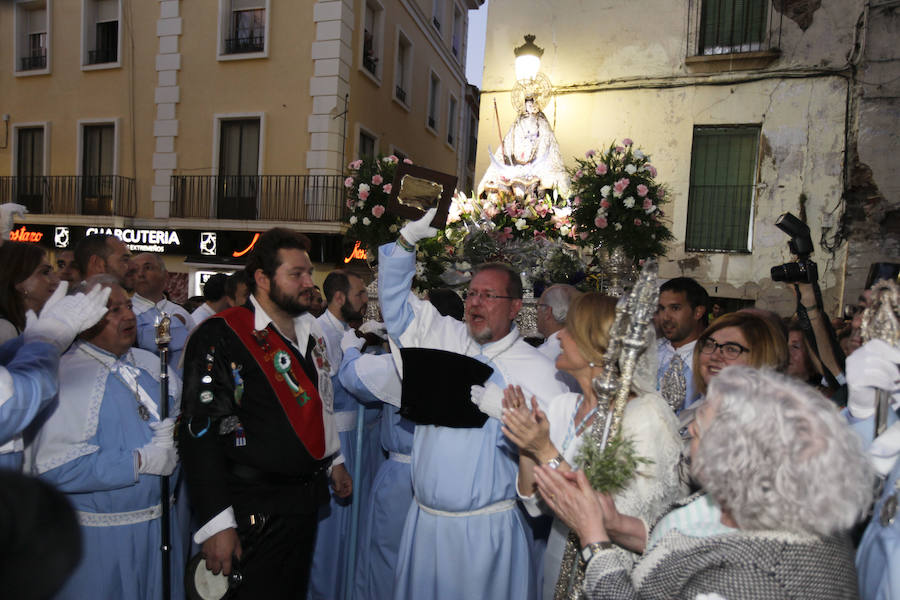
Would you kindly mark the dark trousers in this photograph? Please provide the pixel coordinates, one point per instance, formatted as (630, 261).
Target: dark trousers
(279, 563)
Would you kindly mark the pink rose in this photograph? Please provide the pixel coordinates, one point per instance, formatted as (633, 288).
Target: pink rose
(407, 161)
(355, 165)
(627, 141)
(620, 149)
(601, 169)
(377, 211)
(387, 188)
(363, 195)
(377, 179)
(600, 222)
(589, 154)
(642, 190)
(620, 186)
(638, 222)
(604, 203)
(348, 183)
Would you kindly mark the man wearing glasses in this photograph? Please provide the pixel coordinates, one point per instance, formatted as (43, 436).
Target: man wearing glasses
(464, 536)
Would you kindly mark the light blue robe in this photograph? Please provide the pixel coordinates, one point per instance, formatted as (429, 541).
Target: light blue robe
(28, 384)
(328, 572)
(447, 556)
(120, 561)
(381, 522)
(878, 555)
(146, 336)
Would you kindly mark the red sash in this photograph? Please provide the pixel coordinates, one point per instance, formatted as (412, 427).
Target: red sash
(295, 392)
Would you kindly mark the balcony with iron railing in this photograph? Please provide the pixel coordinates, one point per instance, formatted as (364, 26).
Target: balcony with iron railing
(34, 62)
(259, 197)
(245, 44)
(102, 55)
(111, 195)
(732, 35)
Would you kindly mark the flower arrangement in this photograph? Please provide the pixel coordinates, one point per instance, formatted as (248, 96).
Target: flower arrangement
(617, 201)
(506, 216)
(368, 189)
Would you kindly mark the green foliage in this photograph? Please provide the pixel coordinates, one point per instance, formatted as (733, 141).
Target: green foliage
(610, 470)
(368, 189)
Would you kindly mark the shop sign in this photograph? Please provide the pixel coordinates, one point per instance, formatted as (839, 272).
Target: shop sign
(23, 234)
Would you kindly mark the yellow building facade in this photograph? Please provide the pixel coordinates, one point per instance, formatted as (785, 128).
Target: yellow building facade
(214, 120)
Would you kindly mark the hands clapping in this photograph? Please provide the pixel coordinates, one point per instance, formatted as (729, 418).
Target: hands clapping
(528, 429)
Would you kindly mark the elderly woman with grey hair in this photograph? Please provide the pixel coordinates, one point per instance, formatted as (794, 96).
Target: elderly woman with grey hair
(783, 478)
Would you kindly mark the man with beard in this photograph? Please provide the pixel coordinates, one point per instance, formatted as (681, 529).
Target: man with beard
(257, 433)
(104, 446)
(346, 298)
(681, 317)
(464, 537)
(101, 253)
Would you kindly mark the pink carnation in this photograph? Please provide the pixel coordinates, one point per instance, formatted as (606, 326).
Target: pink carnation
(579, 174)
(650, 169)
(600, 222)
(627, 141)
(638, 222)
(660, 193)
(620, 186)
(647, 203)
(377, 179)
(407, 161)
(355, 165)
(363, 195)
(387, 188)
(601, 169)
(350, 203)
(377, 211)
(642, 190)
(604, 203)
(589, 154)
(620, 149)
(348, 183)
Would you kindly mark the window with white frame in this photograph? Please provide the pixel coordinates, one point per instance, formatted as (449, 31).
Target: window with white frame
(367, 144)
(32, 26)
(451, 121)
(373, 37)
(722, 184)
(403, 69)
(434, 101)
(458, 27)
(101, 31)
(437, 14)
(243, 26)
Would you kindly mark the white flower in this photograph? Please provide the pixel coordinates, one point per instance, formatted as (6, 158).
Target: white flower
(353, 220)
(394, 228)
(650, 210)
(638, 154)
(360, 203)
(564, 230)
(364, 187)
(463, 266)
(601, 212)
(630, 169)
(618, 226)
(628, 202)
(420, 269)
(521, 224)
(562, 211)
(367, 221)
(604, 191)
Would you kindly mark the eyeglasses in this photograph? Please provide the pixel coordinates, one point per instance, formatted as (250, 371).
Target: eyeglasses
(486, 296)
(730, 350)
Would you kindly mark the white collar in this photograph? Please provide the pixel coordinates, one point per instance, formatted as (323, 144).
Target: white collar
(334, 321)
(302, 325)
(494, 349)
(682, 351)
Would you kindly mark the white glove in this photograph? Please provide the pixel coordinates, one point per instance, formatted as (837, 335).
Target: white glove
(7, 212)
(488, 399)
(376, 327)
(351, 340)
(872, 366)
(421, 229)
(163, 433)
(63, 317)
(157, 460)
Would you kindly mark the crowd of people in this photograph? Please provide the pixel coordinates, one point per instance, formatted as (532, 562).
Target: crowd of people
(311, 453)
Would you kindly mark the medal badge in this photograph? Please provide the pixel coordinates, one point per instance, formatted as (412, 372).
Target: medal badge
(889, 508)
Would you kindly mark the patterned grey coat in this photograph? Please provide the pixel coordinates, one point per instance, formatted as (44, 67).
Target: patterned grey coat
(756, 565)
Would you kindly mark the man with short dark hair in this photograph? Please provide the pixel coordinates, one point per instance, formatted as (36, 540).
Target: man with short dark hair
(257, 433)
(67, 268)
(214, 298)
(102, 253)
(681, 317)
(464, 520)
(236, 289)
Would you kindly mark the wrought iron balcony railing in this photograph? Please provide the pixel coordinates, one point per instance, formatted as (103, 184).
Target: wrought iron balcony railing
(259, 197)
(243, 44)
(36, 61)
(71, 194)
(102, 55)
(400, 93)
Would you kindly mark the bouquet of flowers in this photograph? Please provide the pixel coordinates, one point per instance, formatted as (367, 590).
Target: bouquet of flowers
(617, 201)
(506, 216)
(368, 190)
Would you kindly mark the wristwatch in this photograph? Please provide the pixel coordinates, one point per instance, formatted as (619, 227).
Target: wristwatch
(554, 463)
(593, 549)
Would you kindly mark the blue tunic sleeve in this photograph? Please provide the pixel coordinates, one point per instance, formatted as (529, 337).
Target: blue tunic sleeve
(28, 382)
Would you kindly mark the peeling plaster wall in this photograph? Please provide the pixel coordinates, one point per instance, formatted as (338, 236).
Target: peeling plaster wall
(593, 48)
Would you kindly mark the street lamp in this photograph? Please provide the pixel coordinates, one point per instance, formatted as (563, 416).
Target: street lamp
(528, 60)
